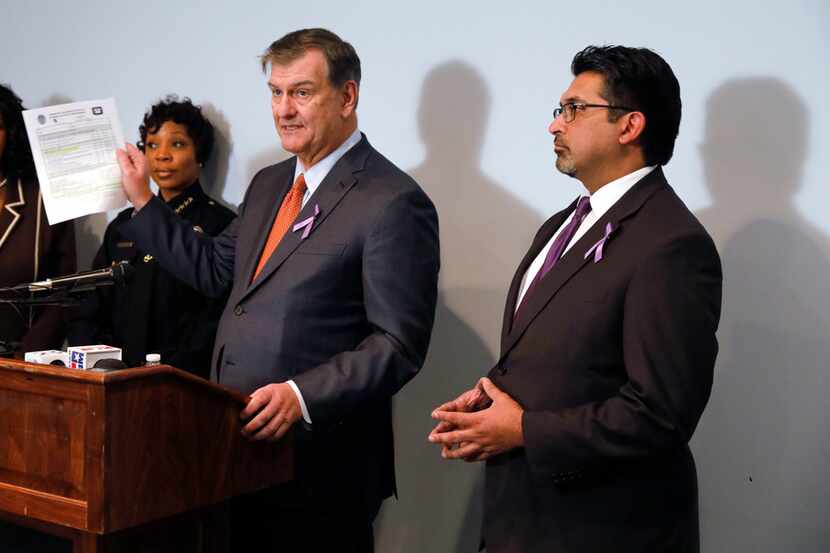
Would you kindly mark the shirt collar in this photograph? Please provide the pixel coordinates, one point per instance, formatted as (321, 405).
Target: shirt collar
(608, 195)
(317, 172)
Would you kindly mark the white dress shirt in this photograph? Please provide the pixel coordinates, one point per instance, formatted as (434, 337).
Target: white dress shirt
(314, 175)
(317, 172)
(601, 201)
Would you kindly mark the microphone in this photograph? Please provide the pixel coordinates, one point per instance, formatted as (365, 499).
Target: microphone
(117, 273)
(7, 349)
(47, 357)
(109, 364)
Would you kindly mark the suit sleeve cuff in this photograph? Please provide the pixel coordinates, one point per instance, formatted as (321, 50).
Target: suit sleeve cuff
(303, 408)
(547, 453)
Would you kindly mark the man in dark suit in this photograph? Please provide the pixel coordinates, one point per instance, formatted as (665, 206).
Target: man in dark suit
(608, 341)
(332, 266)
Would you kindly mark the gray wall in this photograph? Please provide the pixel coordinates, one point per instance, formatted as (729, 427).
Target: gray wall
(460, 94)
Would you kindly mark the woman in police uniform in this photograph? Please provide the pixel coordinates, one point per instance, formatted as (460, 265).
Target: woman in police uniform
(155, 312)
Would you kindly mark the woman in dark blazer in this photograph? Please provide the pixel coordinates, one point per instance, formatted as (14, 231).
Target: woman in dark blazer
(30, 249)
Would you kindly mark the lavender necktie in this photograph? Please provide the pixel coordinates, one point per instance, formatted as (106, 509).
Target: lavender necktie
(583, 207)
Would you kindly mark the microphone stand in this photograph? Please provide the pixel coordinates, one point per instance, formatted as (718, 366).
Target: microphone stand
(7, 349)
(60, 297)
(62, 291)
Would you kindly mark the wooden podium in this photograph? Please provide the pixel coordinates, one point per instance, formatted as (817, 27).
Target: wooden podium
(132, 460)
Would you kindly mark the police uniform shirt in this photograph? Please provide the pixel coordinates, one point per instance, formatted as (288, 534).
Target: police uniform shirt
(155, 312)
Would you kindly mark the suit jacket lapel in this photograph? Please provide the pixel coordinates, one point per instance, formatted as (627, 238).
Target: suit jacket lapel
(334, 187)
(574, 259)
(12, 212)
(542, 237)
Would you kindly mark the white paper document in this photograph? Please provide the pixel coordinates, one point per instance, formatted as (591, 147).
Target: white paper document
(74, 149)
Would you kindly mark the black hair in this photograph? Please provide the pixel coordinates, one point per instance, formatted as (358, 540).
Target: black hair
(183, 112)
(17, 157)
(640, 79)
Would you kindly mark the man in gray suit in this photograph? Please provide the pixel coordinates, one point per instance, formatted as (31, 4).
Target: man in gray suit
(332, 267)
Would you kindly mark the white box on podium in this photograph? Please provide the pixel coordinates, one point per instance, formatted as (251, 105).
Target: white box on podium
(85, 357)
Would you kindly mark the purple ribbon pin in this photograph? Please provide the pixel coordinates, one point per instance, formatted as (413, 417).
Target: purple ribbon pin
(596, 249)
(307, 223)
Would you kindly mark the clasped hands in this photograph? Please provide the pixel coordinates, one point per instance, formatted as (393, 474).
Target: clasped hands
(478, 424)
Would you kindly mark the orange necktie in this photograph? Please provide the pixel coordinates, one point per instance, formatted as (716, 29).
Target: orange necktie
(289, 210)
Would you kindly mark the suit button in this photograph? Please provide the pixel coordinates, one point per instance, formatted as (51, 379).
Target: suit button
(238, 310)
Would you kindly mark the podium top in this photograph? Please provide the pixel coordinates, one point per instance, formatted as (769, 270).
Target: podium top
(105, 377)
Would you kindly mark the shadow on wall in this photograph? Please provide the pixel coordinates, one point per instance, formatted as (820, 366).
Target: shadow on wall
(484, 233)
(266, 157)
(763, 444)
(89, 233)
(214, 176)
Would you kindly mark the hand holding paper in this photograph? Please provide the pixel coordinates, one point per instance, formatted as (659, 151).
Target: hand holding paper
(73, 146)
(134, 175)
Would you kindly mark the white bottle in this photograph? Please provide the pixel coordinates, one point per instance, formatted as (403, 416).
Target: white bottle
(152, 359)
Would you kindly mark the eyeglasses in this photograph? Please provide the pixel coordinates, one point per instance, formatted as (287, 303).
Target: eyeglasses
(570, 109)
